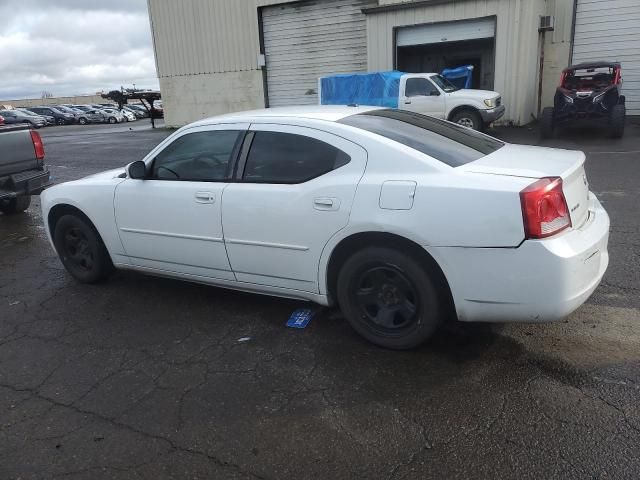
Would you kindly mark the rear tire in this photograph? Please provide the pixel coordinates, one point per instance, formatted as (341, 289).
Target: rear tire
(468, 118)
(389, 298)
(61, 121)
(16, 205)
(547, 126)
(81, 249)
(82, 121)
(113, 120)
(617, 121)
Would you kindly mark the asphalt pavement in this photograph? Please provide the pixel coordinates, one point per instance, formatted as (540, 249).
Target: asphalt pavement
(143, 377)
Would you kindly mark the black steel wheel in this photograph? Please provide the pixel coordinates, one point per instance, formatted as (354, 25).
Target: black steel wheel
(81, 250)
(389, 298)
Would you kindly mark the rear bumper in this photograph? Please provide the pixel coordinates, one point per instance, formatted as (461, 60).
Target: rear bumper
(31, 182)
(493, 114)
(541, 280)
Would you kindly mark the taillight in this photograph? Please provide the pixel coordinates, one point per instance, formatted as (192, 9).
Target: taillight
(38, 146)
(544, 208)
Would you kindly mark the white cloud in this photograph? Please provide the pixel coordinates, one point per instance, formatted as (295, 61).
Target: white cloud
(70, 47)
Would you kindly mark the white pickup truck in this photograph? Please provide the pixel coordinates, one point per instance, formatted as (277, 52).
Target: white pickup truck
(426, 93)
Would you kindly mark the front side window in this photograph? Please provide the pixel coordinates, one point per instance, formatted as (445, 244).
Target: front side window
(197, 157)
(420, 87)
(447, 142)
(444, 84)
(277, 157)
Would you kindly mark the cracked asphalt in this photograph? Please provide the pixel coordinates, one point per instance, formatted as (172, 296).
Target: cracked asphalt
(152, 378)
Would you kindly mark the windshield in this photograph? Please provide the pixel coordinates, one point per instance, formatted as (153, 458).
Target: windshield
(447, 142)
(444, 84)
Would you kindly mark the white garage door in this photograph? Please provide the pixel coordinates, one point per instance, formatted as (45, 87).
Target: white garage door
(446, 32)
(304, 41)
(610, 30)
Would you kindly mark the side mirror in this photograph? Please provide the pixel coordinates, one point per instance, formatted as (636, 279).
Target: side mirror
(137, 170)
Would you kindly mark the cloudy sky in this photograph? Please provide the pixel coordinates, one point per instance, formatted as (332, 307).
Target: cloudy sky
(70, 47)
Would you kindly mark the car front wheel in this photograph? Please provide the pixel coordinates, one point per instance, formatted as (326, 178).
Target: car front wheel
(81, 249)
(389, 298)
(82, 121)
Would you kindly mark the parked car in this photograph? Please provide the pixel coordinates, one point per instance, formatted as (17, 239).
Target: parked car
(22, 169)
(458, 224)
(91, 116)
(61, 118)
(426, 93)
(128, 115)
(49, 119)
(139, 110)
(13, 117)
(69, 110)
(113, 116)
(588, 91)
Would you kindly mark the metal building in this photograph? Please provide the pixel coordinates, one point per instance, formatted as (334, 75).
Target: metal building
(216, 56)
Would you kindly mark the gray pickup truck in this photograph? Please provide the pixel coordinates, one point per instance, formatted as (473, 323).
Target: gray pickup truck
(22, 169)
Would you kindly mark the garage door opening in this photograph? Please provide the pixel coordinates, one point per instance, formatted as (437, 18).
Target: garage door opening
(436, 57)
(434, 47)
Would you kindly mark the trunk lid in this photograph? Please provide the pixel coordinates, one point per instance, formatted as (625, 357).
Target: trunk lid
(539, 162)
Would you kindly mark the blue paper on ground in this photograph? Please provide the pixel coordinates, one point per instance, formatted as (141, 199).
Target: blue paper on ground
(379, 89)
(300, 318)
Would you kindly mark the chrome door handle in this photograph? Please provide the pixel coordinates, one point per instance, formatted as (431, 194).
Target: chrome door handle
(326, 203)
(205, 197)
(407, 102)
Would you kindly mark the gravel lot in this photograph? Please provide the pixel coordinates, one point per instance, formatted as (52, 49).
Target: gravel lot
(147, 378)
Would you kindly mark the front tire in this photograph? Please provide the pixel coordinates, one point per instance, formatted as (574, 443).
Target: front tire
(61, 121)
(389, 298)
(468, 118)
(81, 249)
(617, 120)
(15, 205)
(547, 126)
(113, 120)
(82, 121)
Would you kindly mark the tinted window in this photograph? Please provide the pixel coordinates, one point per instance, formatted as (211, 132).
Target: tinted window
(419, 87)
(444, 141)
(200, 157)
(287, 158)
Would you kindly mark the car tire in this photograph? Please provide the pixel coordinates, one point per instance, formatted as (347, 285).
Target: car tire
(82, 121)
(389, 298)
(617, 121)
(81, 249)
(547, 127)
(113, 120)
(15, 205)
(61, 121)
(468, 118)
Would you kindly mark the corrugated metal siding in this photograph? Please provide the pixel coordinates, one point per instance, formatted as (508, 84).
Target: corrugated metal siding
(516, 44)
(205, 36)
(305, 41)
(610, 30)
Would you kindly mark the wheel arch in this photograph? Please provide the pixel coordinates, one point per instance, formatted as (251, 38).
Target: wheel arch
(356, 241)
(461, 108)
(61, 209)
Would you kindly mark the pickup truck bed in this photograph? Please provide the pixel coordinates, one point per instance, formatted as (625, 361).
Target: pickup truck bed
(22, 169)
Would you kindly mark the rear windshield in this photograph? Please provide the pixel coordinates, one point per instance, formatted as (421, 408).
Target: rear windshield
(447, 142)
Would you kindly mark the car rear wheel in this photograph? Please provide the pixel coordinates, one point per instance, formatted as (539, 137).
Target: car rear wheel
(389, 298)
(617, 120)
(15, 205)
(61, 121)
(547, 126)
(468, 118)
(113, 120)
(82, 121)
(81, 249)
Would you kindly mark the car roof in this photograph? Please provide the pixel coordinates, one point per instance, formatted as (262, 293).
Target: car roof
(331, 113)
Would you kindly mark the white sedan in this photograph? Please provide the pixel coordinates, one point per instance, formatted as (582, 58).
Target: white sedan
(404, 220)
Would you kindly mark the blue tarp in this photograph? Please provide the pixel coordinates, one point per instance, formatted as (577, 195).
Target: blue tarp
(460, 76)
(379, 89)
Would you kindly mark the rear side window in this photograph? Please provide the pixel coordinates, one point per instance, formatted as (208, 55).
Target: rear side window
(197, 157)
(449, 143)
(277, 157)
